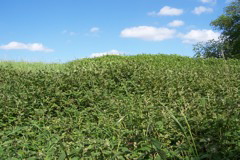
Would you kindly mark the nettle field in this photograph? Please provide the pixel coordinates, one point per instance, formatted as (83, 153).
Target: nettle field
(121, 107)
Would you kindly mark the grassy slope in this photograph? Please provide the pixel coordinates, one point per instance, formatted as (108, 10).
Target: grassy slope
(121, 107)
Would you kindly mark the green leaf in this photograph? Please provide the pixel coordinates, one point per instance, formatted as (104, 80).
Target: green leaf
(62, 156)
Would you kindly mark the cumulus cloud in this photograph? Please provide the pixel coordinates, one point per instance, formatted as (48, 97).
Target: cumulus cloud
(176, 23)
(209, 1)
(167, 11)
(195, 36)
(94, 29)
(23, 46)
(201, 9)
(111, 52)
(148, 33)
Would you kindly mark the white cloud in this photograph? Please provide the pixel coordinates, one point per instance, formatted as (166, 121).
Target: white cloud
(148, 33)
(195, 36)
(94, 29)
(111, 52)
(69, 33)
(176, 23)
(72, 33)
(209, 1)
(22, 46)
(167, 11)
(153, 13)
(201, 9)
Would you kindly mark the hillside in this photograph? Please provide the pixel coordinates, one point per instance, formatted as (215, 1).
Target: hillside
(121, 107)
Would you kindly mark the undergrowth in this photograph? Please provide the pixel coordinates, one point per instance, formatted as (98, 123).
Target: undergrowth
(121, 107)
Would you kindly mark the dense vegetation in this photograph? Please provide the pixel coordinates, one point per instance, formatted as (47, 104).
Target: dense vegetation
(121, 107)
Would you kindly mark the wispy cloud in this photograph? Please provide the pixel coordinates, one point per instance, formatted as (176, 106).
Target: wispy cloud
(70, 33)
(23, 46)
(111, 52)
(148, 33)
(176, 23)
(209, 1)
(94, 29)
(195, 36)
(167, 11)
(201, 9)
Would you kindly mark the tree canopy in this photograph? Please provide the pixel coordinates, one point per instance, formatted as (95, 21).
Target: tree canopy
(229, 43)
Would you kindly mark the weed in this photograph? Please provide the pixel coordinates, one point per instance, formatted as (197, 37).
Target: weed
(113, 107)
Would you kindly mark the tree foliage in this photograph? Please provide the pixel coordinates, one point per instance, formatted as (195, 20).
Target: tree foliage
(229, 42)
(210, 49)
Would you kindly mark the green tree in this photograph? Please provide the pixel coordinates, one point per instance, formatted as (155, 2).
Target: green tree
(229, 44)
(209, 49)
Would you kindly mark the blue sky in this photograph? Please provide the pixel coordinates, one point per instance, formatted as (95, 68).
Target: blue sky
(65, 30)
